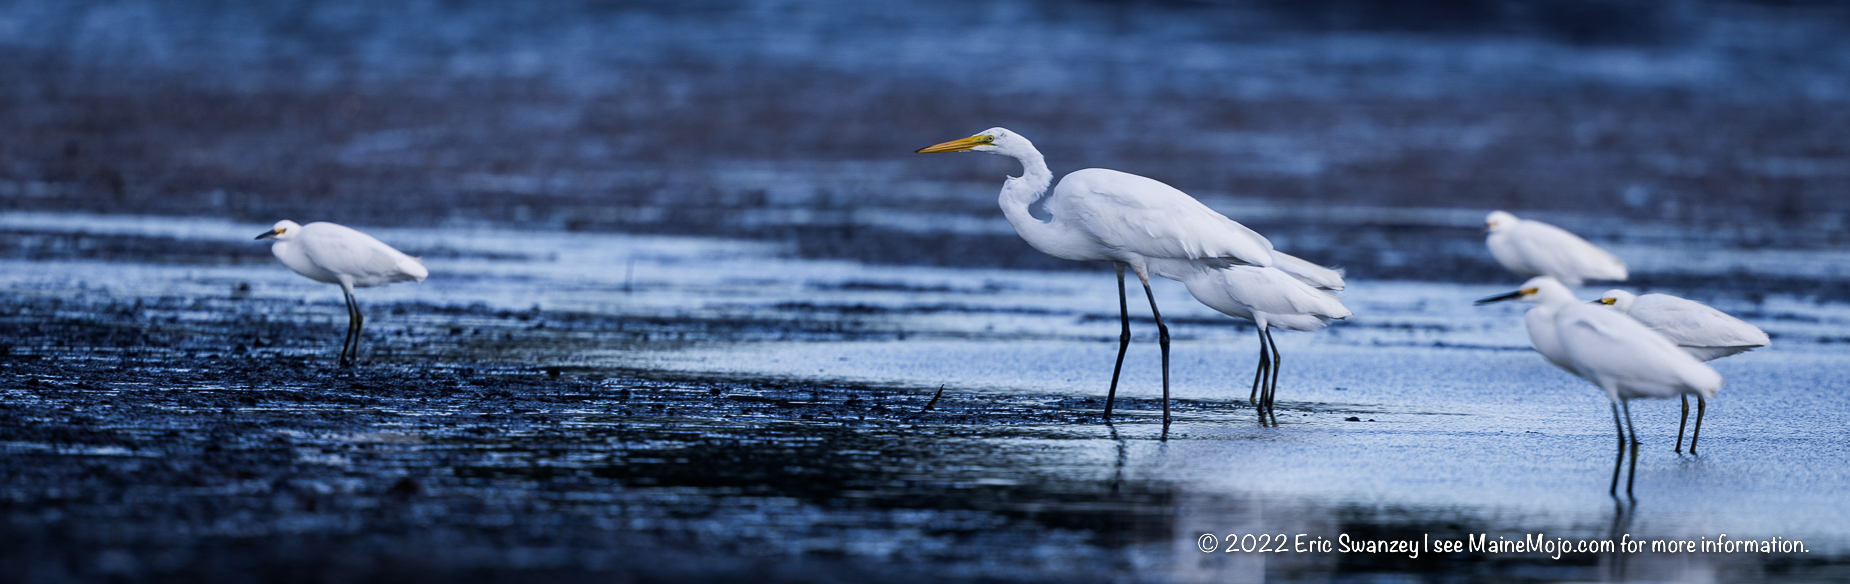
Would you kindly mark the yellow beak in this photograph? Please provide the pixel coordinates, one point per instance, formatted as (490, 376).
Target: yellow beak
(956, 145)
(1608, 301)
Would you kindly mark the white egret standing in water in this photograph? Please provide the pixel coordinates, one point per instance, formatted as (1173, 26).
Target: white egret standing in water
(336, 254)
(1270, 298)
(1098, 215)
(1614, 352)
(1533, 248)
(1702, 331)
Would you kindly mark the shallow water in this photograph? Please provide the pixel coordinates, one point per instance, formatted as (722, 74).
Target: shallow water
(701, 396)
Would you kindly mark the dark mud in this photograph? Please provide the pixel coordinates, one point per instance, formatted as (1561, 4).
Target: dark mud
(143, 446)
(210, 438)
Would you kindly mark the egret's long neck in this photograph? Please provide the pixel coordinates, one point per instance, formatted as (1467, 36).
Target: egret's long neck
(1020, 192)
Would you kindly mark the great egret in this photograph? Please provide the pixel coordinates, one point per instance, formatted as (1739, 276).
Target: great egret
(336, 254)
(1702, 331)
(1615, 352)
(1099, 215)
(1270, 298)
(1533, 248)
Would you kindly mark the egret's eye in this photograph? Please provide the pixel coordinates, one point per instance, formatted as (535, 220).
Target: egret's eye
(986, 139)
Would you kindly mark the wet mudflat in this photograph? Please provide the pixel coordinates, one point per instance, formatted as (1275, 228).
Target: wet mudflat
(596, 407)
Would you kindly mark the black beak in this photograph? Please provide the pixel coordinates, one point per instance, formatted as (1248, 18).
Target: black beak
(271, 234)
(1498, 298)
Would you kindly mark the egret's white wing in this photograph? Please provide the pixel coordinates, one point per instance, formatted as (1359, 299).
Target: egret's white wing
(1552, 251)
(1317, 276)
(1694, 324)
(1608, 347)
(1244, 291)
(364, 259)
(1276, 292)
(1152, 219)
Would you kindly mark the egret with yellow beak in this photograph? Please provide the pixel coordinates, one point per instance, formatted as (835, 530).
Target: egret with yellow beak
(1702, 331)
(336, 254)
(1099, 215)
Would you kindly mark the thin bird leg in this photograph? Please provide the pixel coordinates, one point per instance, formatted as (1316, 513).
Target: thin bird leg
(1162, 339)
(1702, 406)
(1682, 422)
(1124, 342)
(1632, 476)
(346, 341)
(1620, 461)
(1271, 392)
(355, 323)
(1265, 363)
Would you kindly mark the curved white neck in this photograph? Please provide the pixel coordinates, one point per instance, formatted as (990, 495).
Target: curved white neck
(1021, 192)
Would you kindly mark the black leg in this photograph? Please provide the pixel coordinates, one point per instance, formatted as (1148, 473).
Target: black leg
(1271, 392)
(1124, 342)
(347, 340)
(1620, 461)
(1702, 406)
(1162, 339)
(1681, 422)
(350, 350)
(1631, 477)
(1258, 376)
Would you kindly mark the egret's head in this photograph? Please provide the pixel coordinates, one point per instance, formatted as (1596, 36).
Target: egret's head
(1619, 299)
(284, 230)
(1498, 221)
(993, 140)
(1540, 290)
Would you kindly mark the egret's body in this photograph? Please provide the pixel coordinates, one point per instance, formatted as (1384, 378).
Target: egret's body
(1533, 248)
(336, 254)
(1618, 354)
(1099, 215)
(1700, 330)
(1269, 297)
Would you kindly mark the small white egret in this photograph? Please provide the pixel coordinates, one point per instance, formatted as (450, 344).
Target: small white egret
(1098, 215)
(336, 254)
(1704, 332)
(1533, 248)
(1270, 298)
(1615, 352)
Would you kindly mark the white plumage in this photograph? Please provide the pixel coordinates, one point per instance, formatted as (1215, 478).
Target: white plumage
(1700, 330)
(1267, 296)
(1627, 359)
(1706, 333)
(336, 254)
(1618, 354)
(1533, 248)
(1099, 215)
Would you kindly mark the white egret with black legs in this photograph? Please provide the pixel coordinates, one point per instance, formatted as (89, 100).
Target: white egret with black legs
(1533, 248)
(1613, 351)
(1701, 330)
(336, 254)
(1098, 215)
(1270, 298)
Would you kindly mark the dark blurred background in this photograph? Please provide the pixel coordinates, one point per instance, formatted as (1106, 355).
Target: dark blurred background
(1343, 128)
